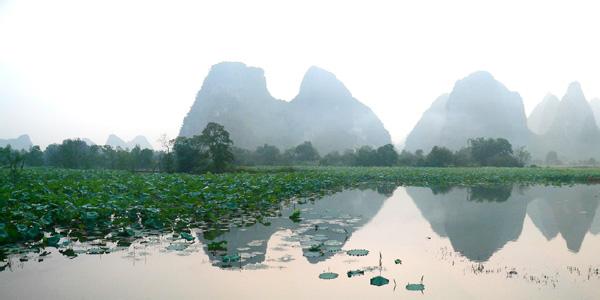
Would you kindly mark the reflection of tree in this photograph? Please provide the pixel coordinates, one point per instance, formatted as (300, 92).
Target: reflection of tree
(441, 189)
(498, 193)
(333, 218)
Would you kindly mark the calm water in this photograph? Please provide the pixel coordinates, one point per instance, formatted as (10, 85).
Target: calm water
(477, 243)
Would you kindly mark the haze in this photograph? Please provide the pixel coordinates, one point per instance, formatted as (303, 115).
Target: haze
(89, 69)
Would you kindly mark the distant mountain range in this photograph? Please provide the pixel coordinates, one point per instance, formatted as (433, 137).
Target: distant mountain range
(480, 106)
(572, 132)
(23, 142)
(324, 111)
(115, 141)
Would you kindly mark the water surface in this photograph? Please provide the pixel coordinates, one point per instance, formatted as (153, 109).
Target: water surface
(466, 243)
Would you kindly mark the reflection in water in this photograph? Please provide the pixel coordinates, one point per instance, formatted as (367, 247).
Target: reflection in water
(478, 221)
(569, 211)
(481, 220)
(326, 225)
(276, 262)
(595, 228)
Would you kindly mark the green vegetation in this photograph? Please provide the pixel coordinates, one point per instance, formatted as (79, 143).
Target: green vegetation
(84, 204)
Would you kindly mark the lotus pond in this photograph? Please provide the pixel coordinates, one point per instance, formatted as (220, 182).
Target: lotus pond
(304, 233)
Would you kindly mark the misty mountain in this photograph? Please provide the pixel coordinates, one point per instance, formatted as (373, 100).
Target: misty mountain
(324, 111)
(426, 133)
(478, 106)
(573, 132)
(481, 106)
(115, 141)
(23, 142)
(88, 141)
(595, 105)
(543, 114)
(141, 141)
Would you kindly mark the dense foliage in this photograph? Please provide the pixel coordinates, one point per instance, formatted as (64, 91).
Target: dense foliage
(213, 151)
(82, 204)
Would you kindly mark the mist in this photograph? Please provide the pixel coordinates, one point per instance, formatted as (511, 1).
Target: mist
(72, 69)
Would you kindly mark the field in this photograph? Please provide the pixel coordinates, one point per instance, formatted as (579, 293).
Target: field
(43, 207)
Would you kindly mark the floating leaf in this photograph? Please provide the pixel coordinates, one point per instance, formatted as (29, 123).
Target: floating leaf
(230, 258)
(68, 252)
(295, 216)
(398, 261)
(379, 281)
(53, 240)
(313, 254)
(420, 287)
(177, 247)
(91, 216)
(3, 233)
(96, 251)
(357, 252)
(315, 248)
(328, 275)
(415, 287)
(353, 273)
(186, 236)
(217, 246)
(256, 243)
(332, 243)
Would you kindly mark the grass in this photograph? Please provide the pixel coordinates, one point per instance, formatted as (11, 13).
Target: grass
(47, 205)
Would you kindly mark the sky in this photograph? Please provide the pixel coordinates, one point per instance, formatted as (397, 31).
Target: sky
(76, 68)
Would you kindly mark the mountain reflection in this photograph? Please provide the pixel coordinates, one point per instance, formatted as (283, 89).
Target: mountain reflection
(479, 221)
(327, 223)
(568, 211)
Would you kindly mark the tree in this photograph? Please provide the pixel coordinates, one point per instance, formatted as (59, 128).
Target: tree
(52, 155)
(492, 152)
(439, 157)
(73, 154)
(332, 159)
(386, 155)
(419, 158)
(13, 160)
(366, 156)
(523, 156)
(34, 157)
(216, 139)
(305, 152)
(552, 158)
(267, 155)
(166, 159)
(190, 156)
(243, 157)
(146, 159)
(406, 158)
(463, 157)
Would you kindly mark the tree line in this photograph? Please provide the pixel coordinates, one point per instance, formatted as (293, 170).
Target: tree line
(209, 151)
(213, 151)
(478, 152)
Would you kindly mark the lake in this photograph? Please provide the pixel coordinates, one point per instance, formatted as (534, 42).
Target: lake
(460, 243)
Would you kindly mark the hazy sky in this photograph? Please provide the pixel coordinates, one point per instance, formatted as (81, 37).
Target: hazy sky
(90, 68)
